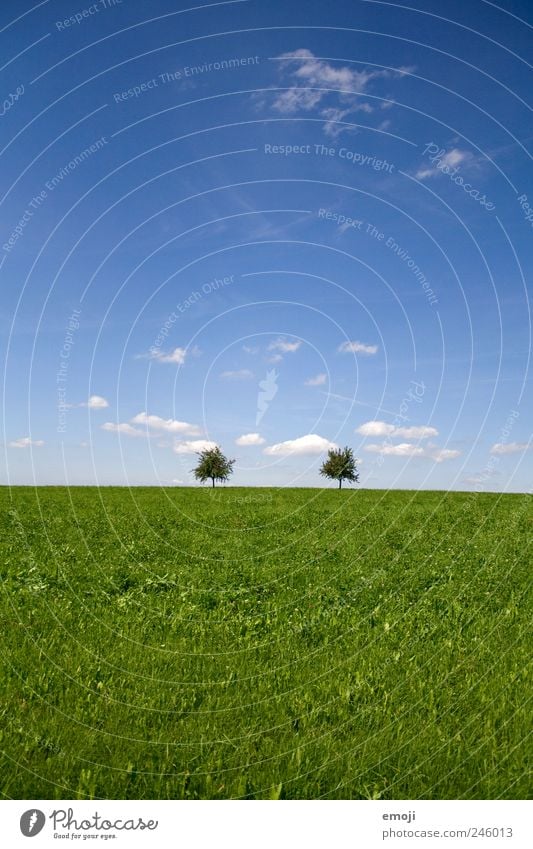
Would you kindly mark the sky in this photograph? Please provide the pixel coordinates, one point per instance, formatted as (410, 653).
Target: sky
(274, 227)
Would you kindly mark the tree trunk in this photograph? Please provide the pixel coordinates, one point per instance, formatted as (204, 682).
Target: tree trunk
(340, 483)
(213, 482)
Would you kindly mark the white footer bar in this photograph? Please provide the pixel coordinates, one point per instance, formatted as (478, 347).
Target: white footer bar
(261, 824)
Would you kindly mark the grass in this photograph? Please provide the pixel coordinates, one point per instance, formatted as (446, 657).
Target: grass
(264, 643)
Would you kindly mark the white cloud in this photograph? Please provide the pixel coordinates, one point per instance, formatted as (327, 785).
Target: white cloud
(26, 442)
(482, 477)
(122, 427)
(510, 447)
(318, 380)
(451, 159)
(297, 99)
(168, 425)
(442, 454)
(424, 173)
(475, 480)
(455, 157)
(250, 349)
(416, 432)
(377, 428)
(311, 443)
(176, 356)
(408, 449)
(284, 346)
(403, 449)
(193, 446)
(311, 77)
(357, 348)
(335, 118)
(96, 402)
(306, 66)
(250, 439)
(240, 374)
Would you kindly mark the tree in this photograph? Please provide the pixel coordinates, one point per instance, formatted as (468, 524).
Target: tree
(213, 465)
(340, 465)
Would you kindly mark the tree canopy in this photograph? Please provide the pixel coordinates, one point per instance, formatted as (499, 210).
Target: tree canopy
(213, 465)
(340, 465)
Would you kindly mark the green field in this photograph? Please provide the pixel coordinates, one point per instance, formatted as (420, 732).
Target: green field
(264, 643)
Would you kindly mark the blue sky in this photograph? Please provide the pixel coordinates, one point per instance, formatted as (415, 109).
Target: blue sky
(274, 227)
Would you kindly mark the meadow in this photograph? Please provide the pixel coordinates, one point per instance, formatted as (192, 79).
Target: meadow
(264, 643)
